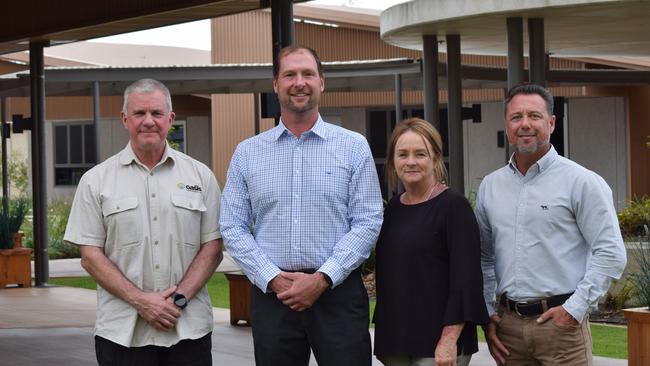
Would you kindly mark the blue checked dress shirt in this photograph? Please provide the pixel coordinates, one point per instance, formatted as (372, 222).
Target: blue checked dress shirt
(551, 232)
(295, 204)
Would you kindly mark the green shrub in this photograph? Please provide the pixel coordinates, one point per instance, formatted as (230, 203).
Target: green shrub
(634, 216)
(641, 277)
(57, 219)
(616, 298)
(12, 221)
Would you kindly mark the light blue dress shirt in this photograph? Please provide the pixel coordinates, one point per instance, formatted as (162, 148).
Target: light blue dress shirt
(553, 231)
(295, 204)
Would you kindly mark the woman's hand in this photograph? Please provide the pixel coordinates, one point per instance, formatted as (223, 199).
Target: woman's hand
(445, 354)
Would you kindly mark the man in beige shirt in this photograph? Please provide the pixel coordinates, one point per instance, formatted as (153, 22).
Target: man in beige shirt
(146, 221)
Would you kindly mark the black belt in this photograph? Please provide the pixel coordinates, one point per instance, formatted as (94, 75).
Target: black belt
(306, 270)
(533, 307)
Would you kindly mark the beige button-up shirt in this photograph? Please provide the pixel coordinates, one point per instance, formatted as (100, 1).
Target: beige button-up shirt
(151, 225)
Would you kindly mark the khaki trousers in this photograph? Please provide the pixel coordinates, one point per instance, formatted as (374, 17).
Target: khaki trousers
(544, 344)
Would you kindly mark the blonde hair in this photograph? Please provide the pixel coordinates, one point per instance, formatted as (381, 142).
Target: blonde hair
(428, 133)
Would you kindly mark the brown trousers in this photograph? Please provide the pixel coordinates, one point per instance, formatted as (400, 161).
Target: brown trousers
(544, 344)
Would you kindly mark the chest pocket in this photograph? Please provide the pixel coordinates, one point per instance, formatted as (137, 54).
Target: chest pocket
(123, 222)
(188, 211)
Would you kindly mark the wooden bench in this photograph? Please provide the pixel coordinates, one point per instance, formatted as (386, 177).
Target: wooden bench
(240, 298)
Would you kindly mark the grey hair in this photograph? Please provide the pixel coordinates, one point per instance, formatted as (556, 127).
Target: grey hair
(146, 86)
(529, 89)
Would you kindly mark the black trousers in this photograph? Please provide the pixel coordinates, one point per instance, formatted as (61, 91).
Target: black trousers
(188, 352)
(335, 328)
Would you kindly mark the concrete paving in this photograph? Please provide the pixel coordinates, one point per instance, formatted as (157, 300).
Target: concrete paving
(54, 326)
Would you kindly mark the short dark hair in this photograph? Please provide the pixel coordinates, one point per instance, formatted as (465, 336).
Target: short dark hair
(529, 89)
(291, 49)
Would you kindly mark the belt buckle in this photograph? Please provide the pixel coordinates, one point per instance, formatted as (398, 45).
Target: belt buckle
(520, 303)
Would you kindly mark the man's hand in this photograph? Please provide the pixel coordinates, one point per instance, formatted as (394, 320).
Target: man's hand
(560, 316)
(498, 351)
(304, 291)
(157, 309)
(280, 283)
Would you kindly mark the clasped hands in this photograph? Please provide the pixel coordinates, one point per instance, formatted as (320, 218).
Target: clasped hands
(158, 309)
(298, 290)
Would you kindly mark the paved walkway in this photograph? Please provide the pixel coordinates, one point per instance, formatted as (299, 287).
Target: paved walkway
(54, 326)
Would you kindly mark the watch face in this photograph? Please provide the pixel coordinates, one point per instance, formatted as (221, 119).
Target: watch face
(180, 301)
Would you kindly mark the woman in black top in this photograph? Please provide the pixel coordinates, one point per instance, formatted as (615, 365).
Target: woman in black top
(429, 280)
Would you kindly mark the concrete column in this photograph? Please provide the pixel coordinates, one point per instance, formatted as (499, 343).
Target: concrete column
(281, 24)
(5, 165)
(39, 177)
(515, 28)
(536, 52)
(96, 119)
(281, 29)
(430, 78)
(455, 112)
(398, 98)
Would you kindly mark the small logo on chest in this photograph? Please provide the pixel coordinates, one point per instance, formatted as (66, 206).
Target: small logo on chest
(189, 188)
(544, 207)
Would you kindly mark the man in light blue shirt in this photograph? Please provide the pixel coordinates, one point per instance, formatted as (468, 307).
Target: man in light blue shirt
(550, 242)
(301, 211)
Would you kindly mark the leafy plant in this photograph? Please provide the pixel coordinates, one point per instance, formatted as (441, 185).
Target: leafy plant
(634, 216)
(57, 220)
(11, 222)
(641, 277)
(616, 299)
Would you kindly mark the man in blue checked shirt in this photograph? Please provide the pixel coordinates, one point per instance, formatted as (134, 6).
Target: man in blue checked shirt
(301, 211)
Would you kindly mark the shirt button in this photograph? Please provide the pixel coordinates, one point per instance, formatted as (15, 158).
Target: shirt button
(117, 207)
(155, 219)
(295, 221)
(155, 242)
(157, 266)
(151, 174)
(153, 195)
(191, 206)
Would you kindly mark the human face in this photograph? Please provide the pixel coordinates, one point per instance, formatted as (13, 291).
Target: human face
(528, 124)
(413, 160)
(148, 121)
(298, 84)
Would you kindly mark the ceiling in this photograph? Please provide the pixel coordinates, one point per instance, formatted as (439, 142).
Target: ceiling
(60, 22)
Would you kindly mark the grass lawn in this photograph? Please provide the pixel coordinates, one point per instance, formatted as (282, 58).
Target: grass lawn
(217, 287)
(608, 341)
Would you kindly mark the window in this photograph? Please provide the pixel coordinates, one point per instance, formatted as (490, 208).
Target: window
(176, 136)
(74, 151)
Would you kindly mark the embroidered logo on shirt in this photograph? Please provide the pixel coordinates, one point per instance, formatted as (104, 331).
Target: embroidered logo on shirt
(544, 207)
(189, 188)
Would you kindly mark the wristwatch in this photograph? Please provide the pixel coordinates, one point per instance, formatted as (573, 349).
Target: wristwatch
(179, 300)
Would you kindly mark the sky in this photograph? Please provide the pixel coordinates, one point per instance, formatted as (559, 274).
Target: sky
(197, 34)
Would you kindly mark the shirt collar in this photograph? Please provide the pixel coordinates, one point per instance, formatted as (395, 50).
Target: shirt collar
(320, 129)
(127, 156)
(543, 163)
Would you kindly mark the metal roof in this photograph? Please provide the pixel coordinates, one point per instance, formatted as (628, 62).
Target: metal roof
(366, 75)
